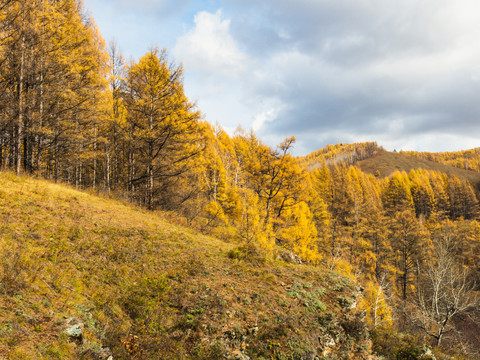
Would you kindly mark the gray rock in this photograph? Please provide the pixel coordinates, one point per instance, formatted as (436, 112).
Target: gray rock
(75, 332)
(353, 305)
(106, 353)
(241, 356)
(330, 342)
(428, 354)
(290, 257)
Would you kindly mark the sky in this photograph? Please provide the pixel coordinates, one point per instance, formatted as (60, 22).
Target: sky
(405, 74)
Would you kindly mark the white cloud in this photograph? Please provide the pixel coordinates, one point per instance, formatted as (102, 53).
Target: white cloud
(264, 117)
(210, 48)
(404, 72)
(351, 66)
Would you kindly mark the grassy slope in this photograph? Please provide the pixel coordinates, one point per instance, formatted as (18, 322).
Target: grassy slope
(387, 163)
(148, 289)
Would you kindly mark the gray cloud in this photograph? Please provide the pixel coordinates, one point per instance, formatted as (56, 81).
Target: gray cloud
(363, 68)
(406, 73)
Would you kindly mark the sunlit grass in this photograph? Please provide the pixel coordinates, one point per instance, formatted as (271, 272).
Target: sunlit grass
(121, 270)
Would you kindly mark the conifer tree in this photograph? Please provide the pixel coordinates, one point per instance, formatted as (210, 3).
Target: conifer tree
(423, 195)
(397, 194)
(116, 127)
(52, 77)
(298, 232)
(462, 199)
(164, 129)
(409, 242)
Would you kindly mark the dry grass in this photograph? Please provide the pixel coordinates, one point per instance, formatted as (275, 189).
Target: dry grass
(147, 289)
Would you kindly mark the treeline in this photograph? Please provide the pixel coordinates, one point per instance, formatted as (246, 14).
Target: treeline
(466, 159)
(72, 110)
(52, 84)
(413, 241)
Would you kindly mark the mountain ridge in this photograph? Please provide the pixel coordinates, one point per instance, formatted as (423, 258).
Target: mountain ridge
(386, 163)
(375, 160)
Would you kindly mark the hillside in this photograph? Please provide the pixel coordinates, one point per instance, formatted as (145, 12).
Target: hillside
(348, 154)
(385, 163)
(373, 159)
(464, 159)
(85, 277)
(136, 287)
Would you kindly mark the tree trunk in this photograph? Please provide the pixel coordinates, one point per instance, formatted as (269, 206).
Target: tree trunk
(115, 157)
(38, 159)
(55, 155)
(150, 186)
(107, 170)
(21, 108)
(94, 180)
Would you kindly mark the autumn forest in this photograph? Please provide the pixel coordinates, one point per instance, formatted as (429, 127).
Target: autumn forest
(74, 111)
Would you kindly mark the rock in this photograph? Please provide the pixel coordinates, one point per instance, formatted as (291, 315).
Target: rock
(75, 332)
(353, 305)
(106, 354)
(329, 344)
(238, 355)
(290, 257)
(428, 354)
(89, 351)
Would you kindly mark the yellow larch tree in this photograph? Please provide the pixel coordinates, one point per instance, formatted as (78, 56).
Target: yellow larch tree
(164, 131)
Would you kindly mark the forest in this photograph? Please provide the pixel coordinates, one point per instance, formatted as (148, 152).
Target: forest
(74, 111)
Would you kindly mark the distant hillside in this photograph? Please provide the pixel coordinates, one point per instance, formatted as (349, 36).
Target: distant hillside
(374, 159)
(349, 154)
(82, 277)
(465, 159)
(385, 163)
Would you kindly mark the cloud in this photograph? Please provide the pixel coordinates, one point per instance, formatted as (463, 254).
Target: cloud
(152, 8)
(215, 67)
(358, 69)
(404, 72)
(264, 117)
(209, 48)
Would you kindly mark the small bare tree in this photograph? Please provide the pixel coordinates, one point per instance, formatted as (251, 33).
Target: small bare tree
(381, 311)
(445, 291)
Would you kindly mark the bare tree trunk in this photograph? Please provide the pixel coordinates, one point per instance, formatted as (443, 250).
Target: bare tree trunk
(150, 187)
(94, 180)
(38, 165)
(80, 173)
(115, 157)
(131, 170)
(107, 169)
(21, 108)
(39, 144)
(150, 166)
(55, 154)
